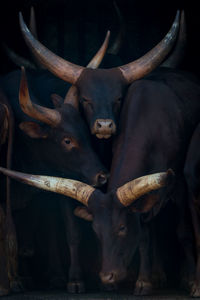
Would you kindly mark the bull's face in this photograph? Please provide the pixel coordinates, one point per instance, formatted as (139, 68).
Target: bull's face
(116, 221)
(64, 140)
(115, 216)
(119, 231)
(101, 92)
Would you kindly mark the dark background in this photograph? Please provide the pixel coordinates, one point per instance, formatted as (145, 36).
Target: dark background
(74, 29)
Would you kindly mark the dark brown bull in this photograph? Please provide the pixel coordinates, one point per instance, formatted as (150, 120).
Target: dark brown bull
(101, 91)
(158, 118)
(8, 241)
(103, 206)
(59, 143)
(192, 176)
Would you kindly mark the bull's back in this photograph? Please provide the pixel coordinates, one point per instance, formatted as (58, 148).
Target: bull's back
(158, 117)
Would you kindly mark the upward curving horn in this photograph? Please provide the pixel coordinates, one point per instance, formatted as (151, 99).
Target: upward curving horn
(49, 116)
(72, 94)
(68, 187)
(178, 52)
(32, 23)
(147, 63)
(117, 44)
(57, 65)
(138, 187)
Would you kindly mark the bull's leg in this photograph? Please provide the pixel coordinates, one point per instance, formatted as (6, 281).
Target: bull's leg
(143, 284)
(75, 283)
(157, 274)
(185, 235)
(195, 290)
(4, 281)
(12, 255)
(48, 242)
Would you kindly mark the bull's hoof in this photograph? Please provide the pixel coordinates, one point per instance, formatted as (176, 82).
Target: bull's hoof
(4, 292)
(143, 288)
(16, 286)
(159, 279)
(195, 290)
(76, 287)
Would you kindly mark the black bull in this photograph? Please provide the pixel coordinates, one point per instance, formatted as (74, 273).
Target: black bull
(157, 120)
(8, 241)
(192, 176)
(101, 91)
(62, 149)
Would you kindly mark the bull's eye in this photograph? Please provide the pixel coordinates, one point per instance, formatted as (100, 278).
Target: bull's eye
(87, 102)
(67, 141)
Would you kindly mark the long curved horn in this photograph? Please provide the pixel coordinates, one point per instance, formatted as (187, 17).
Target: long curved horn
(49, 116)
(116, 45)
(138, 187)
(58, 66)
(70, 188)
(147, 63)
(32, 23)
(97, 59)
(175, 58)
(72, 94)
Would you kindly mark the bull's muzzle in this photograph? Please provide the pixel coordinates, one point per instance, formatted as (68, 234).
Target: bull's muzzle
(104, 128)
(112, 276)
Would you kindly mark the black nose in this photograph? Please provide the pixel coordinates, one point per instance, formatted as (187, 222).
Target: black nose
(101, 179)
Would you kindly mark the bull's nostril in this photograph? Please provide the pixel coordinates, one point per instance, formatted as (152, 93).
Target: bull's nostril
(110, 276)
(102, 179)
(111, 125)
(98, 125)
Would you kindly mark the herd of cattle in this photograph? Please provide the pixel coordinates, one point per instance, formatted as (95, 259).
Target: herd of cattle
(140, 120)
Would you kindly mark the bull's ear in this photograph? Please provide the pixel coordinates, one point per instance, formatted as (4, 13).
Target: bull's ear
(82, 212)
(34, 130)
(57, 100)
(146, 203)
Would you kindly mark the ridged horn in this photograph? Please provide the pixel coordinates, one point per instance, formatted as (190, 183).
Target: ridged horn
(70, 188)
(58, 66)
(72, 94)
(138, 187)
(49, 116)
(178, 52)
(116, 45)
(147, 63)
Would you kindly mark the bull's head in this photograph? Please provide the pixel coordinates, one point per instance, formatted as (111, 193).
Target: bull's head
(101, 91)
(115, 216)
(63, 138)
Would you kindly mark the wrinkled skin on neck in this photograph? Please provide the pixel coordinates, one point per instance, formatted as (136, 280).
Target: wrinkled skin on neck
(118, 231)
(101, 92)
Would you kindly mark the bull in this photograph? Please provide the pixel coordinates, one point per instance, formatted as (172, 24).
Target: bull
(159, 115)
(101, 91)
(9, 279)
(62, 136)
(191, 171)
